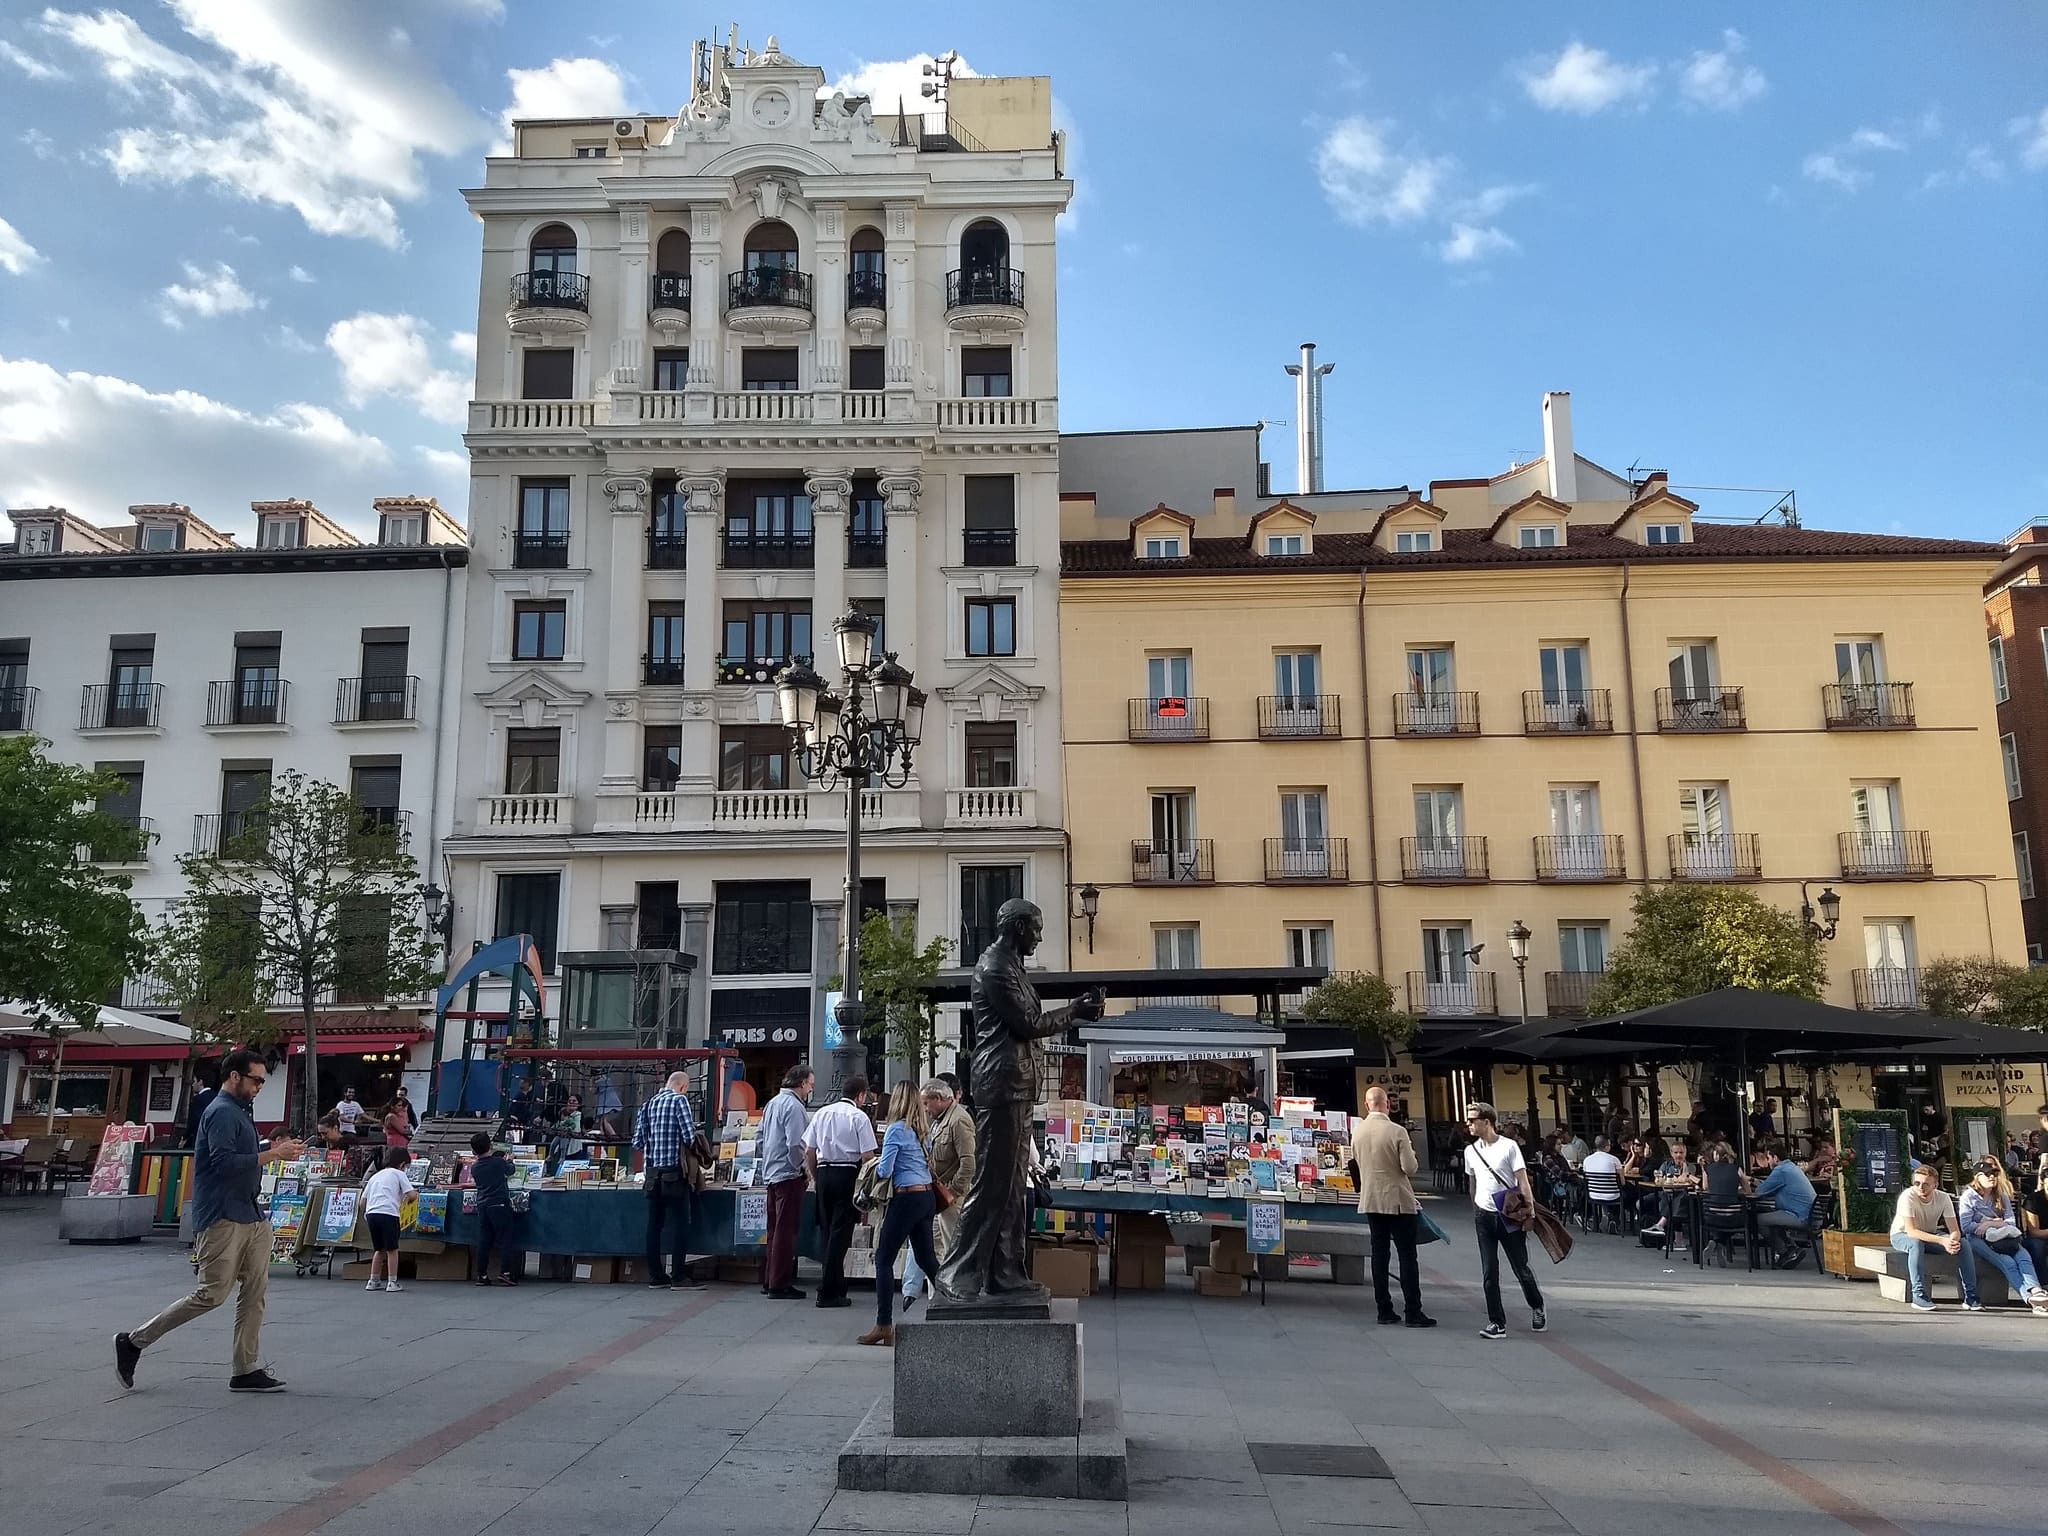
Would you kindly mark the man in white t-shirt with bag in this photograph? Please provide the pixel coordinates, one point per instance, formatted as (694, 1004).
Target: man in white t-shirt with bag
(1494, 1165)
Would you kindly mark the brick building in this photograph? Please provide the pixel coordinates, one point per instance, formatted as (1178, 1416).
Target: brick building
(2016, 625)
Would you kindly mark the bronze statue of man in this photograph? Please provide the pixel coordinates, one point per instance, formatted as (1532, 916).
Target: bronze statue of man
(986, 1265)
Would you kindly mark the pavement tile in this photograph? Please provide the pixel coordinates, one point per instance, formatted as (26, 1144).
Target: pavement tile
(943, 1514)
(1472, 1489)
(1306, 1504)
(419, 1505)
(999, 1516)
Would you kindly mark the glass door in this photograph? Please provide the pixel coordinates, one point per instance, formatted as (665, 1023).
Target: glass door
(1874, 814)
(1432, 690)
(1859, 669)
(1706, 838)
(1297, 682)
(1167, 686)
(1173, 837)
(1446, 969)
(1439, 830)
(1575, 832)
(1888, 952)
(1304, 833)
(1565, 698)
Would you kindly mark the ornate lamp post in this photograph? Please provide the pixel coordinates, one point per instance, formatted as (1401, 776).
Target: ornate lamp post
(1518, 950)
(1830, 913)
(868, 730)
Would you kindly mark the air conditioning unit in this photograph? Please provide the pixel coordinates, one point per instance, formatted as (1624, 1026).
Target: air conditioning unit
(627, 131)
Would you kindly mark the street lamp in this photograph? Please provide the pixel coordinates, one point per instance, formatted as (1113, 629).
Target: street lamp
(1091, 903)
(440, 916)
(1518, 951)
(1830, 913)
(869, 730)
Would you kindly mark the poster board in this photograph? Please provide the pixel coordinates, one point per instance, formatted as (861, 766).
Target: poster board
(1264, 1229)
(336, 1223)
(750, 1218)
(1871, 1147)
(114, 1169)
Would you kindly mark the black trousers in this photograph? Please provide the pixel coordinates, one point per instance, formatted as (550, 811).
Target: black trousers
(907, 1220)
(1494, 1238)
(836, 1216)
(987, 1256)
(494, 1232)
(1395, 1231)
(668, 1207)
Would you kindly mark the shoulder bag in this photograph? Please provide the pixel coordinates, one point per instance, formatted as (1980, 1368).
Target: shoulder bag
(1519, 1210)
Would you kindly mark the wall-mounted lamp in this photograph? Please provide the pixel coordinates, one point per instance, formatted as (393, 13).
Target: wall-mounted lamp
(440, 916)
(1830, 913)
(1091, 903)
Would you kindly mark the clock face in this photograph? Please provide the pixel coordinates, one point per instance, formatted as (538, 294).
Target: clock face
(771, 109)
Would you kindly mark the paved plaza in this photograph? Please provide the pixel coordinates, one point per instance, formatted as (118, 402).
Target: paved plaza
(1664, 1398)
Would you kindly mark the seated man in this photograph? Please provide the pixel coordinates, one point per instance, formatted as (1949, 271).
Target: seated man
(1676, 1177)
(1602, 1173)
(1925, 1221)
(1785, 1227)
(1571, 1147)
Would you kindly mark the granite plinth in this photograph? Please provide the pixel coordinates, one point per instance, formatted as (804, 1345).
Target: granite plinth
(1002, 1376)
(106, 1218)
(984, 1310)
(1092, 1463)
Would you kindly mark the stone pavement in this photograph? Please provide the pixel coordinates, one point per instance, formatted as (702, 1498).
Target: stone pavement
(1663, 1399)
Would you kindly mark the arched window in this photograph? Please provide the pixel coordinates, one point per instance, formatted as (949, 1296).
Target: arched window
(553, 250)
(866, 249)
(865, 284)
(771, 243)
(985, 248)
(672, 252)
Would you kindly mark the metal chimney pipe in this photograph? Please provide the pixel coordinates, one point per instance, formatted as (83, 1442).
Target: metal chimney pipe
(1308, 418)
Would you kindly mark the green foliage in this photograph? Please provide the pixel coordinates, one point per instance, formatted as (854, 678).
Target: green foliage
(1362, 1002)
(307, 902)
(1867, 1212)
(1689, 938)
(69, 932)
(1978, 987)
(896, 975)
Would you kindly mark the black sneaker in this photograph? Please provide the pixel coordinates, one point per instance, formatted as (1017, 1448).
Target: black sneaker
(126, 1353)
(1493, 1331)
(686, 1285)
(1420, 1320)
(1388, 1319)
(1537, 1321)
(255, 1381)
(659, 1285)
(835, 1301)
(792, 1293)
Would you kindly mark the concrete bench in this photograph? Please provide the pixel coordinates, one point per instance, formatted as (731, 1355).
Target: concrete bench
(1889, 1265)
(106, 1218)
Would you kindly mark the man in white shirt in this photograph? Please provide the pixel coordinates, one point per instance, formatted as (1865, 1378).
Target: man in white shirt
(785, 1171)
(838, 1140)
(1494, 1165)
(349, 1110)
(1602, 1170)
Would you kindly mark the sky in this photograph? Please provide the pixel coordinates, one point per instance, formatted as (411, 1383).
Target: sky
(1766, 247)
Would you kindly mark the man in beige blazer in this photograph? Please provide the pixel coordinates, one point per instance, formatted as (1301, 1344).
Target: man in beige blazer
(1386, 1195)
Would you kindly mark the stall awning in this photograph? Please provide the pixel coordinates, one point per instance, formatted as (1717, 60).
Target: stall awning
(353, 1045)
(82, 1055)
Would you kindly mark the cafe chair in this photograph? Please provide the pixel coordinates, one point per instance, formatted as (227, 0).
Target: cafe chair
(1725, 1226)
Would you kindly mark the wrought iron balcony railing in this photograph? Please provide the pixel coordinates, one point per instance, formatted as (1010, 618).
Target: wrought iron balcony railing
(1168, 718)
(1700, 709)
(1888, 989)
(1886, 855)
(668, 290)
(1451, 997)
(540, 549)
(988, 546)
(1596, 856)
(768, 552)
(1192, 862)
(1443, 860)
(1436, 714)
(364, 700)
(750, 671)
(1567, 993)
(661, 671)
(667, 549)
(18, 708)
(975, 286)
(121, 707)
(1287, 715)
(768, 288)
(1307, 859)
(867, 290)
(1715, 856)
(1868, 706)
(248, 701)
(1586, 712)
(867, 551)
(551, 290)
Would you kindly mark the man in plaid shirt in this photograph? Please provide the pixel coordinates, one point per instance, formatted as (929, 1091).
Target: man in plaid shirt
(663, 1134)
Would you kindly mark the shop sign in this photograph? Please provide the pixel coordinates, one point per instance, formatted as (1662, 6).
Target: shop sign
(1240, 1054)
(750, 1217)
(1264, 1231)
(760, 1034)
(1977, 1085)
(835, 1038)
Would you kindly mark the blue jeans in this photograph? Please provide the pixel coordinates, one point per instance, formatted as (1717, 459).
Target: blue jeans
(2018, 1268)
(1916, 1266)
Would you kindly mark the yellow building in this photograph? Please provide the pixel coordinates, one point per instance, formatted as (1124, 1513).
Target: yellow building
(1373, 730)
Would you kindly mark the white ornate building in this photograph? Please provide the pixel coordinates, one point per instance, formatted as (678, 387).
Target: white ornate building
(737, 370)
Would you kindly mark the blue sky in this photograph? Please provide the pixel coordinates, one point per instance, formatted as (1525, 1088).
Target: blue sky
(1789, 247)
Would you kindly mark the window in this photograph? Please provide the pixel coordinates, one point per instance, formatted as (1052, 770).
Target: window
(157, 536)
(1419, 541)
(39, 539)
(590, 151)
(258, 688)
(532, 905)
(772, 244)
(553, 250)
(983, 890)
(2022, 860)
(1690, 666)
(878, 610)
(2000, 692)
(1177, 949)
(2009, 753)
(386, 656)
(1284, 544)
(767, 525)
(668, 540)
(542, 541)
(1168, 676)
(1859, 662)
(768, 368)
(671, 368)
(866, 285)
(766, 631)
(1163, 549)
(1308, 944)
(533, 762)
(1538, 536)
(867, 527)
(992, 755)
(991, 626)
(1890, 979)
(1439, 830)
(1576, 847)
(1705, 828)
(242, 793)
(374, 781)
(548, 373)
(661, 757)
(1664, 533)
(660, 913)
(1564, 671)
(1297, 675)
(984, 372)
(125, 803)
(281, 533)
(1175, 853)
(1447, 986)
(14, 698)
(1304, 833)
(362, 948)
(753, 757)
(1582, 947)
(664, 642)
(539, 631)
(990, 507)
(865, 368)
(761, 928)
(401, 528)
(131, 696)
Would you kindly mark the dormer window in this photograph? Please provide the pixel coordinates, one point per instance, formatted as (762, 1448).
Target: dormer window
(281, 533)
(1169, 548)
(39, 539)
(401, 528)
(1284, 544)
(1664, 533)
(1419, 541)
(160, 536)
(1540, 536)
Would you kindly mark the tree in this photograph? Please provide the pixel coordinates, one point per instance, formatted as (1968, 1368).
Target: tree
(1689, 938)
(1978, 987)
(1363, 1002)
(307, 898)
(895, 980)
(70, 934)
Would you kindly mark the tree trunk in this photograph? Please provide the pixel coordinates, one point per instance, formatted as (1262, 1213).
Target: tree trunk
(56, 1081)
(311, 1117)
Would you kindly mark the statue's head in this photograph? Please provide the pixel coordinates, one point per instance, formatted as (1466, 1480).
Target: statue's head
(1021, 923)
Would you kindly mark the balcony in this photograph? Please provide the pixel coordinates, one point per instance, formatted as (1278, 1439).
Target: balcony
(1443, 860)
(253, 702)
(1886, 856)
(867, 299)
(540, 549)
(121, 707)
(384, 827)
(1436, 714)
(1168, 718)
(1293, 716)
(985, 299)
(377, 701)
(1711, 709)
(1190, 862)
(661, 671)
(1868, 706)
(531, 415)
(737, 808)
(997, 413)
(230, 834)
(1588, 712)
(123, 851)
(18, 709)
(988, 546)
(1568, 994)
(775, 552)
(784, 405)
(549, 303)
(749, 671)
(766, 301)
(866, 551)
(523, 813)
(1715, 856)
(1888, 989)
(1599, 856)
(667, 549)
(668, 302)
(1009, 806)
(1307, 860)
(1459, 998)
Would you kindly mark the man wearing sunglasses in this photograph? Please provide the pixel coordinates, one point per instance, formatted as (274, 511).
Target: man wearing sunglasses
(234, 1239)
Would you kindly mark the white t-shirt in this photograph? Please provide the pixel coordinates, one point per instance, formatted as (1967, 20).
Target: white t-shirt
(349, 1111)
(385, 1192)
(841, 1134)
(1603, 1175)
(1504, 1158)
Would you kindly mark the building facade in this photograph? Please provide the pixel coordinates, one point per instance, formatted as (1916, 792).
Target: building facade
(195, 668)
(2016, 633)
(740, 370)
(1373, 730)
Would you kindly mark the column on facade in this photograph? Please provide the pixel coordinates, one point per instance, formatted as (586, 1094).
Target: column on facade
(830, 492)
(629, 349)
(620, 925)
(900, 491)
(707, 295)
(830, 296)
(697, 943)
(899, 252)
(627, 607)
(703, 498)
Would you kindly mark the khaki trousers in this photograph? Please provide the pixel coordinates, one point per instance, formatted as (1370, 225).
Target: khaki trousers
(229, 1252)
(946, 1226)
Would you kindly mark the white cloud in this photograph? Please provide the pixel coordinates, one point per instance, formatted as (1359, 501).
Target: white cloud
(30, 65)
(301, 107)
(463, 344)
(1874, 138)
(16, 254)
(1834, 170)
(1586, 80)
(178, 445)
(561, 88)
(207, 294)
(1472, 243)
(2032, 132)
(885, 82)
(299, 274)
(1842, 165)
(1978, 164)
(1719, 79)
(384, 355)
(1367, 180)
(445, 460)
(1488, 202)
(288, 338)
(39, 144)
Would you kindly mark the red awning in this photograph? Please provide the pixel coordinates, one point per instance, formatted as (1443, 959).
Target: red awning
(85, 1055)
(356, 1044)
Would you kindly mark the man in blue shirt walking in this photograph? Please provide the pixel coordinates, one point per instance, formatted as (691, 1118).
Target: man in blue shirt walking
(234, 1239)
(1788, 1185)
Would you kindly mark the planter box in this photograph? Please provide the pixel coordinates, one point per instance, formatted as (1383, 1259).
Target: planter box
(1838, 1252)
(106, 1218)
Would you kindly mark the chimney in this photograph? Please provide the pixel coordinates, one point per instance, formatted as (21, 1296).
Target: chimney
(1308, 418)
(1560, 463)
(1223, 503)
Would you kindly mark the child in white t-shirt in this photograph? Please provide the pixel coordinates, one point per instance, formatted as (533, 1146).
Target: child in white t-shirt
(383, 1194)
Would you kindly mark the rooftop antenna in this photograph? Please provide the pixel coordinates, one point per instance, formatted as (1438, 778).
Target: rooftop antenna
(1308, 414)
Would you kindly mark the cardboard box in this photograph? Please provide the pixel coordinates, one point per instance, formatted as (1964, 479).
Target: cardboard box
(739, 1271)
(1227, 1253)
(1141, 1269)
(1214, 1282)
(448, 1264)
(1065, 1271)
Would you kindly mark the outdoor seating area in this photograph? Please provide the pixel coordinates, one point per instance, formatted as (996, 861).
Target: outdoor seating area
(44, 1164)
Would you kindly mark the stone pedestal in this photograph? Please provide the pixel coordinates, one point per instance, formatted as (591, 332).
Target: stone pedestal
(106, 1218)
